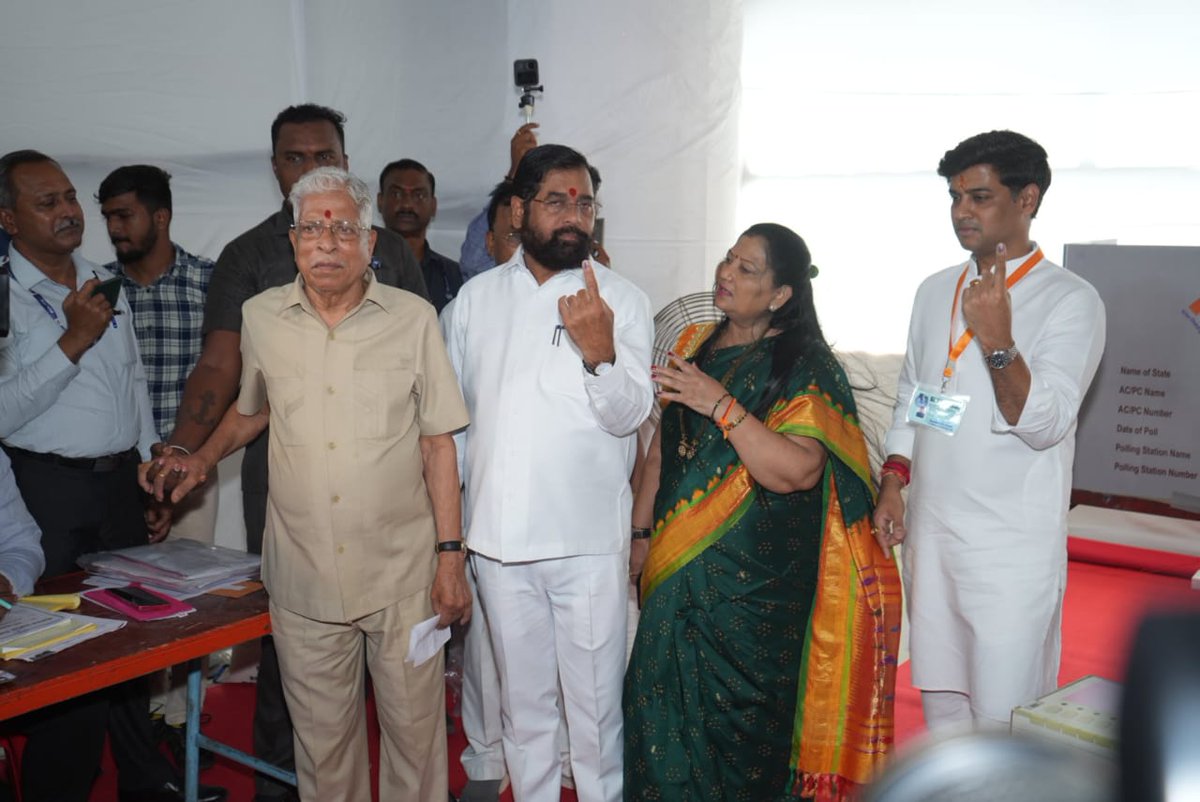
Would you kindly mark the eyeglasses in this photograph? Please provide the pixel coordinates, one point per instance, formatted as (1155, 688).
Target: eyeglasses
(559, 206)
(343, 230)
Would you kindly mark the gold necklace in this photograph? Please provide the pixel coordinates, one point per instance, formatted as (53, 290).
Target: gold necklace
(687, 447)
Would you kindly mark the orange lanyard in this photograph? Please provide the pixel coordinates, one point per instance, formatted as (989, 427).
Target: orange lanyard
(957, 347)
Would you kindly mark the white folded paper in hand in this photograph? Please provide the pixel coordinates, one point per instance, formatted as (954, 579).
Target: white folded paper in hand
(425, 641)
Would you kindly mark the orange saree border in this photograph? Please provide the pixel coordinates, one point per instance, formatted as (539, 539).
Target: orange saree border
(844, 722)
(844, 725)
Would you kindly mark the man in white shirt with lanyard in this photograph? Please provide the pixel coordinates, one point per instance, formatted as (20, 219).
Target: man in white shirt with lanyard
(1000, 354)
(553, 352)
(75, 420)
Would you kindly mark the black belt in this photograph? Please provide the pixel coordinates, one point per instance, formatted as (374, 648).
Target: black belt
(105, 464)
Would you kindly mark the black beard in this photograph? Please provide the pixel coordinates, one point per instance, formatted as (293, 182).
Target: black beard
(557, 253)
(131, 256)
(137, 254)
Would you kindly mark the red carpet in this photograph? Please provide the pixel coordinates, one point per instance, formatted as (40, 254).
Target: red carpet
(1101, 612)
(230, 709)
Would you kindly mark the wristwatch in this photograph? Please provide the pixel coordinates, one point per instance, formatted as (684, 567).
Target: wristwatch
(598, 369)
(999, 360)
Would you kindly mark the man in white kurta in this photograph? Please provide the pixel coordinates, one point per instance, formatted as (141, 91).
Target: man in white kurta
(985, 543)
(554, 362)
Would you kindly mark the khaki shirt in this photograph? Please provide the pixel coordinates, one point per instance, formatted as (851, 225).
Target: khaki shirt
(349, 523)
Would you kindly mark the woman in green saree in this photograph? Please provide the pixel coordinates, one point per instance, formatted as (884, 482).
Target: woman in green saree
(764, 663)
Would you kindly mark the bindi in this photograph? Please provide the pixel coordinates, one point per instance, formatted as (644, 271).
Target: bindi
(328, 214)
(572, 192)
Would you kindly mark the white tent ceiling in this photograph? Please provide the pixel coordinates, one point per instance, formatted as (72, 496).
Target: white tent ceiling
(647, 91)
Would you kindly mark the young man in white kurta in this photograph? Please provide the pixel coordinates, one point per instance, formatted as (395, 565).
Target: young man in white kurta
(985, 551)
(548, 457)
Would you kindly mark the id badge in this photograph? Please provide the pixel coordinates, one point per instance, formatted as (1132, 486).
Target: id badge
(937, 411)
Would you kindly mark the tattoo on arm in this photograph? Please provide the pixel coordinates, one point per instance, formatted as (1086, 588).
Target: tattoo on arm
(201, 413)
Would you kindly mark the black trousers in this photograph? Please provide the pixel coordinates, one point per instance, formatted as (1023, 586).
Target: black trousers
(272, 722)
(81, 511)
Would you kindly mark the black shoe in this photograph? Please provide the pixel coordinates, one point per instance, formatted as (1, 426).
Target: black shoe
(175, 738)
(170, 792)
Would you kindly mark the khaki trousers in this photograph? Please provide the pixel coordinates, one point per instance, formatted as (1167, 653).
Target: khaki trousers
(322, 668)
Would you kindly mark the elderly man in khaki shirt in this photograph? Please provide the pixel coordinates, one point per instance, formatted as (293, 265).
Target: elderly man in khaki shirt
(363, 535)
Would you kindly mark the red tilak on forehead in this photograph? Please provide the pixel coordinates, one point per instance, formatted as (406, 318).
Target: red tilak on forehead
(572, 192)
(328, 214)
(962, 184)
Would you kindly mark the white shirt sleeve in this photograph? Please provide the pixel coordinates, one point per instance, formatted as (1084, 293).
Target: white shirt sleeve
(27, 390)
(621, 398)
(1061, 364)
(21, 558)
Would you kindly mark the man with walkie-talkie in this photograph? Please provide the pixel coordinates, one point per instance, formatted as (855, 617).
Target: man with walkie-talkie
(75, 420)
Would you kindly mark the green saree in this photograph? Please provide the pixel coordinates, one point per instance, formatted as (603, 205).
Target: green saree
(764, 661)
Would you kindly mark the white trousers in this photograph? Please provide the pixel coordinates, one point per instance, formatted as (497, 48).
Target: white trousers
(951, 712)
(483, 759)
(559, 621)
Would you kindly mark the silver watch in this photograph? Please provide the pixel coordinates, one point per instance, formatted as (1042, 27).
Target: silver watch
(999, 360)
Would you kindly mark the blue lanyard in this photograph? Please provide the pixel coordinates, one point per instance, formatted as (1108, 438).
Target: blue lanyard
(54, 315)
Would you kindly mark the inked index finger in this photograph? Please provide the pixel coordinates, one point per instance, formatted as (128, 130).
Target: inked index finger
(589, 278)
(1001, 262)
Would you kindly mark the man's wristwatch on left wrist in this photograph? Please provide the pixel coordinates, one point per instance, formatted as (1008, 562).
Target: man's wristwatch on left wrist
(597, 368)
(1002, 358)
(450, 545)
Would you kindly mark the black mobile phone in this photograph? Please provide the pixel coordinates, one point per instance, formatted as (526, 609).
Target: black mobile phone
(111, 289)
(525, 73)
(140, 598)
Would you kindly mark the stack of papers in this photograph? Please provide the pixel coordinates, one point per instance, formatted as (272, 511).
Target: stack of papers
(180, 568)
(27, 632)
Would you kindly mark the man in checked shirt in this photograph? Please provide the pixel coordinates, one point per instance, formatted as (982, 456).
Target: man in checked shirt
(165, 287)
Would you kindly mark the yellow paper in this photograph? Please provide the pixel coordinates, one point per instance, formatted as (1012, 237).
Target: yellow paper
(40, 640)
(55, 602)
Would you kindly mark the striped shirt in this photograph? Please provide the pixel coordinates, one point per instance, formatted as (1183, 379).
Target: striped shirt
(168, 318)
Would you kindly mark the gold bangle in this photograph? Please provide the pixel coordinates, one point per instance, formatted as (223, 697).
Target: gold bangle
(729, 427)
(713, 415)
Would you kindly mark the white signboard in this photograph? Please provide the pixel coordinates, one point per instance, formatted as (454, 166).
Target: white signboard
(1139, 430)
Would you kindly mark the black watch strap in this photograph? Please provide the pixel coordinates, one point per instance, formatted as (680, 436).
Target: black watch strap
(450, 545)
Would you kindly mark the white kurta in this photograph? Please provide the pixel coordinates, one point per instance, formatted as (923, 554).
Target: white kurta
(550, 447)
(547, 461)
(985, 556)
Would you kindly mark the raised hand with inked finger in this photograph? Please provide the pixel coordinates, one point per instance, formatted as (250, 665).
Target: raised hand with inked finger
(589, 321)
(987, 307)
